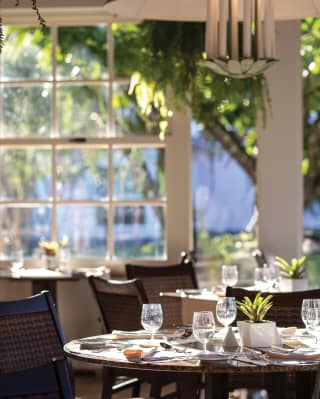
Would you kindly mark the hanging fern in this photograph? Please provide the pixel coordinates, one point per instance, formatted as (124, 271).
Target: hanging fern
(40, 19)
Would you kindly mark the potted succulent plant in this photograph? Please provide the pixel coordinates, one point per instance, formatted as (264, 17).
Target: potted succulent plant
(256, 331)
(292, 274)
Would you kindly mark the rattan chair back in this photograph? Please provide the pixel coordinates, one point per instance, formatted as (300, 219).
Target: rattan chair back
(119, 302)
(165, 279)
(31, 338)
(286, 308)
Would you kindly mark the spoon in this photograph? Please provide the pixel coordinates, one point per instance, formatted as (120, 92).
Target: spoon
(165, 345)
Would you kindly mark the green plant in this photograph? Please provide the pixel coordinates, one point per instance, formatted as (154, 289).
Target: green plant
(257, 309)
(294, 269)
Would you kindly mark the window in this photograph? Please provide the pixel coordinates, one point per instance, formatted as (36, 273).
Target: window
(77, 159)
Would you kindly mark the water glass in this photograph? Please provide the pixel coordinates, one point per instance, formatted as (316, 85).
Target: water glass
(203, 327)
(226, 311)
(261, 278)
(313, 323)
(273, 277)
(151, 317)
(17, 261)
(229, 275)
(307, 304)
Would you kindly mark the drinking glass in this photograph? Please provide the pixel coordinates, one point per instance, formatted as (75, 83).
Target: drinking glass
(17, 261)
(226, 311)
(273, 277)
(261, 278)
(151, 317)
(203, 327)
(229, 275)
(313, 323)
(308, 304)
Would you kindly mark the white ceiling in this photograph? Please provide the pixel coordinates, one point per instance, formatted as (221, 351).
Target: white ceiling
(183, 10)
(54, 3)
(195, 10)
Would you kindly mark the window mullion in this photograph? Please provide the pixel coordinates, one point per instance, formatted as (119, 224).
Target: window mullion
(110, 60)
(110, 207)
(54, 133)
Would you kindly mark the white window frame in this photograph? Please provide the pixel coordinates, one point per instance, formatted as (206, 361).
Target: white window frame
(177, 145)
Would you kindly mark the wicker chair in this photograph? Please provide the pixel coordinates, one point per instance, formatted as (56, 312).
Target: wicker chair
(286, 312)
(120, 305)
(32, 361)
(163, 279)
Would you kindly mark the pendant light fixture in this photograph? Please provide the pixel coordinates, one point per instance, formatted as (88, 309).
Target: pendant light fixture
(240, 37)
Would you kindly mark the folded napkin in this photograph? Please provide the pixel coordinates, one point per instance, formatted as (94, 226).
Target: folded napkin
(287, 331)
(293, 354)
(141, 334)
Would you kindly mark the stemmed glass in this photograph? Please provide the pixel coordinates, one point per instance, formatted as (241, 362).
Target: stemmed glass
(226, 311)
(261, 278)
(17, 263)
(151, 317)
(313, 323)
(229, 275)
(309, 314)
(203, 327)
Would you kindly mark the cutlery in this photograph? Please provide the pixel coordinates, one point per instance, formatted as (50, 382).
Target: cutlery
(178, 349)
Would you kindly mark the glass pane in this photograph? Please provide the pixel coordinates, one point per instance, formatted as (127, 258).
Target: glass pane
(82, 111)
(82, 174)
(27, 54)
(127, 49)
(138, 173)
(86, 229)
(139, 232)
(25, 174)
(127, 115)
(82, 52)
(27, 111)
(24, 228)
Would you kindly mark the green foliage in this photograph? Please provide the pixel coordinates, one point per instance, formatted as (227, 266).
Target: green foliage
(294, 269)
(257, 309)
(224, 246)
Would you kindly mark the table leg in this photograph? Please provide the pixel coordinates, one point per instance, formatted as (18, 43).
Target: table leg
(45, 285)
(276, 385)
(189, 385)
(216, 386)
(305, 382)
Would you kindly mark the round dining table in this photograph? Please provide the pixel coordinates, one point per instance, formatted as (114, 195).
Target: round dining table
(217, 373)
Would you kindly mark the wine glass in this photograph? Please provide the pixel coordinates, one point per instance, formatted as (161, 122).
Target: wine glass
(151, 317)
(261, 278)
(229, 275)
(273, 277)
(203, 327)
(17, 261)
(226, 311)
(313, 323)
(307, 304)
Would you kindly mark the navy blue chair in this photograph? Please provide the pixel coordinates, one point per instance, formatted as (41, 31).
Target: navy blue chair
(32, 361)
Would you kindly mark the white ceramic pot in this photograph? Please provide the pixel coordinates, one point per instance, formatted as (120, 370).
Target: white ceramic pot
(255, 335)
(293, 284)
